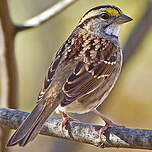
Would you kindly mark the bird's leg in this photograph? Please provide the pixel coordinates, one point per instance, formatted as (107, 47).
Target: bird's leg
(108, 122)
(66, 118)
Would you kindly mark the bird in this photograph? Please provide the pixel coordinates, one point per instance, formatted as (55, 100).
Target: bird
(82, 73)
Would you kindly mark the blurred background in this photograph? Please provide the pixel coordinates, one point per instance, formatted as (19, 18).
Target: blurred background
(129, 103)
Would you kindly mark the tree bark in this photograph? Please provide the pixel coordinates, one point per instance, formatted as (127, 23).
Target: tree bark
(118, 137)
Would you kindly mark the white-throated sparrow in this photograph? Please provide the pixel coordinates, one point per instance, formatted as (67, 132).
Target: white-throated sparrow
(82, 73)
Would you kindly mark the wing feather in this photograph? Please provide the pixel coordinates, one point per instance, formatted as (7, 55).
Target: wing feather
(99, 61)
(97, 58)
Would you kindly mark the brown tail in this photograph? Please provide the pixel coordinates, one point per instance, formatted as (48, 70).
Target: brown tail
(32, 124)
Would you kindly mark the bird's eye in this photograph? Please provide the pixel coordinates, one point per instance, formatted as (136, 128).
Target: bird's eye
(105, 16)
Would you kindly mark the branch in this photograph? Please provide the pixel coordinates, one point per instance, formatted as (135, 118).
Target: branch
(83, 132)
(44, 16)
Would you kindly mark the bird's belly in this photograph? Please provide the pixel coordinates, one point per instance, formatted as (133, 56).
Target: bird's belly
(74, 107)
(88, 102)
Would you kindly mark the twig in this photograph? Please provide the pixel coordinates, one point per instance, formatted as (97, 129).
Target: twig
(83, 132)
(44, 16)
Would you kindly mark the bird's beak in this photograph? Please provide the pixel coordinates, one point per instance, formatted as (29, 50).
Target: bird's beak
(123, 19)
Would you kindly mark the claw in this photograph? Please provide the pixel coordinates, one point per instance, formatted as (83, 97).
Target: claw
(66, 118)
(108, 122)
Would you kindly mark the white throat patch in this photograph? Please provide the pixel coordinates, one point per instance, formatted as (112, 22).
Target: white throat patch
(113, 29)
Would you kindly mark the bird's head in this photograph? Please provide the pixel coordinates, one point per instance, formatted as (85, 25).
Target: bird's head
(105, 19)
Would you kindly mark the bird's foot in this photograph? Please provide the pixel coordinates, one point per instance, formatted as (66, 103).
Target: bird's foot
(109, 123)
(66, 118)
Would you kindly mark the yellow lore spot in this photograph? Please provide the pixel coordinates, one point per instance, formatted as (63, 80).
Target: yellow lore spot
(112, 11)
